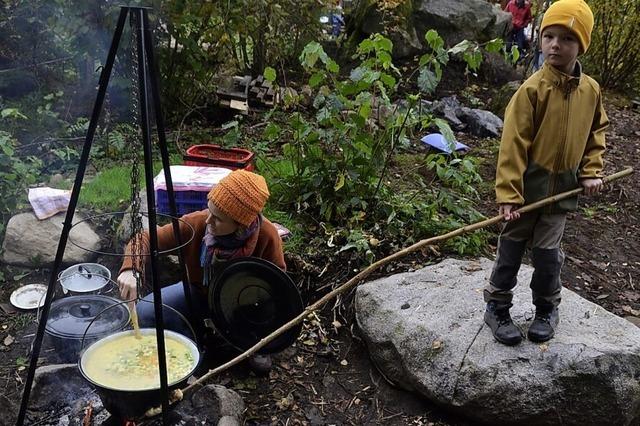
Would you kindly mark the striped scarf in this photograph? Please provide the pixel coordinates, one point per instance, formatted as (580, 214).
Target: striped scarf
(217, 248)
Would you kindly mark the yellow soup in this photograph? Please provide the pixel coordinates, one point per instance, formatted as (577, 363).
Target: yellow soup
(130, 363)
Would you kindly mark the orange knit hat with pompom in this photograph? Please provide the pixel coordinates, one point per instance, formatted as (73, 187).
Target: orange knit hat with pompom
(241, 195)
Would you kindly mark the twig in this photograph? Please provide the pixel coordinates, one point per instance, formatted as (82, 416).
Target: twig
(52, 61)
(382, 262)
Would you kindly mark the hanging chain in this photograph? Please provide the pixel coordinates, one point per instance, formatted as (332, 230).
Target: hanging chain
(136, 214)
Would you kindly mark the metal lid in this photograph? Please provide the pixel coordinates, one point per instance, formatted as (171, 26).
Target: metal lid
(70, 317)
(249, 299)
(85, 277)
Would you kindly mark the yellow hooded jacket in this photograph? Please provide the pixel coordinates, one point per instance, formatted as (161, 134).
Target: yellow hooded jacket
(553, 135)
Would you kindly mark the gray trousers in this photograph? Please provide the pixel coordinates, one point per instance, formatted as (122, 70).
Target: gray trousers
(542, 233)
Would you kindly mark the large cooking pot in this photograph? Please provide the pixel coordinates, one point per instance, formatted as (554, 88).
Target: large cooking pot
(89, 317)
(122, 395)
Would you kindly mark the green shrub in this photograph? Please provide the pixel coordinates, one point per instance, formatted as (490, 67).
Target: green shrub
(16, 175)
(614, 55)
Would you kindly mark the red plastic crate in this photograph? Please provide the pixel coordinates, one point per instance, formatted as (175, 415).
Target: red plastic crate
(214, 155)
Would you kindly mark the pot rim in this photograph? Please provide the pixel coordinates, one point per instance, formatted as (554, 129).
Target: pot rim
(76, 269)
(87, 334)
(168, 333)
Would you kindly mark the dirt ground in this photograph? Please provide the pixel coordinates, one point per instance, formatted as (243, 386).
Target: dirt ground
(327, 377)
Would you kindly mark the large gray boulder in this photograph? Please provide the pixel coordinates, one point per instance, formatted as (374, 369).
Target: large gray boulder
(29, 241)
(425, 332)
(455, 20)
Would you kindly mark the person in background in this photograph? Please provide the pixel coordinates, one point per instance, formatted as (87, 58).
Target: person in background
(232, 226)
(520, 17)
(552, 141)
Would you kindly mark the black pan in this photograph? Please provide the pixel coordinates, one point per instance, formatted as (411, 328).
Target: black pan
(249, 299)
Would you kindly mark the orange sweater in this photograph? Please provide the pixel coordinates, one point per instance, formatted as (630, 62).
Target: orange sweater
(268, 246)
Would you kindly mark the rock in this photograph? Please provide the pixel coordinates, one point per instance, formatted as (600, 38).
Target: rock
(123, 232)
(408, 22)
(228, 421)
(32, 242)
(484, 124)
(449, 108)
(633, 320)
(61, 390)
(475, 121)
(438, 346)
(502, 97)
(457, 20)
(212, 404)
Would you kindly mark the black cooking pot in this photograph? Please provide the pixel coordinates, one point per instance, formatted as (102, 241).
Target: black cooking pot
(90, 316)
(127, 403)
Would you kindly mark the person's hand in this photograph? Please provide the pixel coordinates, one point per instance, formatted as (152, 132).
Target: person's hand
(509, 211)
(127, 283)
(591, 186)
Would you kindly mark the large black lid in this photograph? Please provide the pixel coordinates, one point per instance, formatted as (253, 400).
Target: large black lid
(70, 316)
(249, 299)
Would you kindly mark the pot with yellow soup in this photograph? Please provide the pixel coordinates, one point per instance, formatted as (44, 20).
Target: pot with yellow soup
(124, 369)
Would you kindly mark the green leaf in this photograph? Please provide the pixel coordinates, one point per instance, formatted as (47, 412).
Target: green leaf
(427, 81)
(332, 66)
(388, 80)
(461, 47)
(494, 45)
(433, 38)
(12, 113)
(339, 182)
(271, 132)
(515, 54)
(316, 79)
(18, 277)
(473, 59)
(445, 129)
(269, 74)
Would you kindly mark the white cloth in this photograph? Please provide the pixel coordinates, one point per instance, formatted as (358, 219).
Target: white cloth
(191, 178)
(47, 202)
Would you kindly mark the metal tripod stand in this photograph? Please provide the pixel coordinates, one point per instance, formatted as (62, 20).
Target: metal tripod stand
(148, 91)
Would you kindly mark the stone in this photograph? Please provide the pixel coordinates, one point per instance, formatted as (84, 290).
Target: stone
(211, 403)
(32, 242)
(228, 421)
(439, 347)
(472, 120)
(502, 97)
(484, 124)
(123, 232)
(455, 20)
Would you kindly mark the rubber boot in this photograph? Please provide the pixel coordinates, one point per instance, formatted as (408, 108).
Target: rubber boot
(544, 324)
(497, 317)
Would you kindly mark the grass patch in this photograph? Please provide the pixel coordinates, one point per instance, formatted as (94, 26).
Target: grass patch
(110, 189)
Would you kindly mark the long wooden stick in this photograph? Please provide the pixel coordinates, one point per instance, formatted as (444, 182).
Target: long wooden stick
(376, 265)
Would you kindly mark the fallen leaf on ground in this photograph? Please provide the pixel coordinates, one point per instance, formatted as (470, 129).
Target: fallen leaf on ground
(628, 309)
(602, 296)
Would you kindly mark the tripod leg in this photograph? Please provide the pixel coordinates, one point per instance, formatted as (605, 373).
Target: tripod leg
(137, 15)
(164, 153)
(84, 157)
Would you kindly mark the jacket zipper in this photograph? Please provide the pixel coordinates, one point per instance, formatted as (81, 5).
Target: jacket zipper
(563, 141)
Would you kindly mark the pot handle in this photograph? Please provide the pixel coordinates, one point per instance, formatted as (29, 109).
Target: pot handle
(84, 335)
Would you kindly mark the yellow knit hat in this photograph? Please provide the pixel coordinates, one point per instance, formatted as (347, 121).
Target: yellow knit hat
(574, 15)
(241, 195)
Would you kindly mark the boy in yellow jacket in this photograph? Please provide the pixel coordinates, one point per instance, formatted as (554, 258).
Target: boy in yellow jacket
(553, 141)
